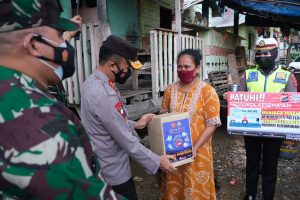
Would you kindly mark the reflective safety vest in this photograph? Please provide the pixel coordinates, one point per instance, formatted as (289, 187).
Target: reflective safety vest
(259, 82)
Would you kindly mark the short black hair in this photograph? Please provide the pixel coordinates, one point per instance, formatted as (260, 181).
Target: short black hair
(105, 54)
(197, 57)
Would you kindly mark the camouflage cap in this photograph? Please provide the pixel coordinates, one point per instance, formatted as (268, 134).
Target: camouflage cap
(23, 14)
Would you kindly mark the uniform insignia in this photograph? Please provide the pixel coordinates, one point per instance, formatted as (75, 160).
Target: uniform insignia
(261, 43)
(253, 76)
(112, 84)
(120, 109)
(280, 77)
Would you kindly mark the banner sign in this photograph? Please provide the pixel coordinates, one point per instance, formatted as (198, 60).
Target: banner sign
(264, 114)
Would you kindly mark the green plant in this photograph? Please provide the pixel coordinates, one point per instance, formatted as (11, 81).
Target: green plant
(294, 55)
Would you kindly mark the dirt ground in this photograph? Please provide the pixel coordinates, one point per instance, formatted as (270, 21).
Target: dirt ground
(229, 162)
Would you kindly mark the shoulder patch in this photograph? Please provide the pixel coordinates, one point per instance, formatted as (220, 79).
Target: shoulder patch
(284, 68)
(253, 76)
(120, 108)
(280, 77)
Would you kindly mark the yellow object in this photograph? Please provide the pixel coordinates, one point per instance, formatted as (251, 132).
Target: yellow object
(257, 82)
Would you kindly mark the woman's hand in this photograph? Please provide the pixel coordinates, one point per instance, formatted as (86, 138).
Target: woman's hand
(206, 135)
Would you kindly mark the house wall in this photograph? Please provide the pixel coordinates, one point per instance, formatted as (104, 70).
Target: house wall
(123, 19)
(149, 16)
(244, 32)
(67, 10)
(217, 46)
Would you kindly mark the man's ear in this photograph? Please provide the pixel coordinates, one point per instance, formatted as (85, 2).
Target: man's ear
(29, 44)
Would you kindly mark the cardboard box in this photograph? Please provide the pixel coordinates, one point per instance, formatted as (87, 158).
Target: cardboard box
(171, 134)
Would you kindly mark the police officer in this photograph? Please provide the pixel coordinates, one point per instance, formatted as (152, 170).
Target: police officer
(44, 151)
(105, 118)
(265, 76)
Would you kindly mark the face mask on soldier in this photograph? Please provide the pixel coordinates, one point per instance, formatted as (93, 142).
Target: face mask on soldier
(64, 55)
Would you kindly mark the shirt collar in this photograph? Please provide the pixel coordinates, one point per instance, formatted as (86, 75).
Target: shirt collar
(100, 75)
(273, 69)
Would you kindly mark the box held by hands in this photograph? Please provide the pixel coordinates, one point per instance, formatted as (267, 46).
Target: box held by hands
(171, 134)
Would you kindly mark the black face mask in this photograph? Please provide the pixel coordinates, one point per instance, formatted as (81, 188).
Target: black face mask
(121, 77)
(63, 56)
(267, 62)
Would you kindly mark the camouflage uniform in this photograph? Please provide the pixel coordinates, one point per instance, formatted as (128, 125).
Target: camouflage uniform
(44, 150)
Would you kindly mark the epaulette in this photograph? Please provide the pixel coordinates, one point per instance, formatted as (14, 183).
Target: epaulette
(252, 66)
(284, 68)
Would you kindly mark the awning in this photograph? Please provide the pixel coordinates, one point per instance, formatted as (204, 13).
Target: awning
(287, 12)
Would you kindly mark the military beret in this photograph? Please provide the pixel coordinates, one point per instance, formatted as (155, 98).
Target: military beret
(266, 44)
(123, 48)
(23, 14)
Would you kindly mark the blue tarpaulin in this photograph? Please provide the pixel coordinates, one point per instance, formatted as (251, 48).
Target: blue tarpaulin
(287, 8)
(286, 12)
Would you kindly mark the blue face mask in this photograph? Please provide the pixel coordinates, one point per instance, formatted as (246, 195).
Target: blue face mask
(63, 55)
(58, 70)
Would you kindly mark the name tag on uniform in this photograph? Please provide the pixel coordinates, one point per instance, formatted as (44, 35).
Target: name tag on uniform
(120, 109)
(253, 77)
(280, 77)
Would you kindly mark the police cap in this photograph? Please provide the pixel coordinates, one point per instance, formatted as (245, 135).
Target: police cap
(123, 48)
(266, 44)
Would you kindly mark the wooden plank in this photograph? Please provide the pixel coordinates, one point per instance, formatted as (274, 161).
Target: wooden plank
(233, 68)
(165, 64)
(149, 21)
(98, 43)
(80, 69)
(70, 90)
(86, 56)
(154, 63)
(75, 78)
(160, 62)
(93, 47)
(191, 42)
(149, 4)
(220, 82)
(132, 93)
(149, 14)
(170, 59)
(183, 45)
(135, 81)
(175, 56)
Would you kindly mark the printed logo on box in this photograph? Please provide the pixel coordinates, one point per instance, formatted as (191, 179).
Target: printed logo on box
(177, 137)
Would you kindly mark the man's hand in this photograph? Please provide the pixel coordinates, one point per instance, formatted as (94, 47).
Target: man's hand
(143, 121)
(67, 35)
(165, 163)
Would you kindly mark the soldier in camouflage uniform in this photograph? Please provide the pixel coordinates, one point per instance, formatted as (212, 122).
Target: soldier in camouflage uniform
(44, 151)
